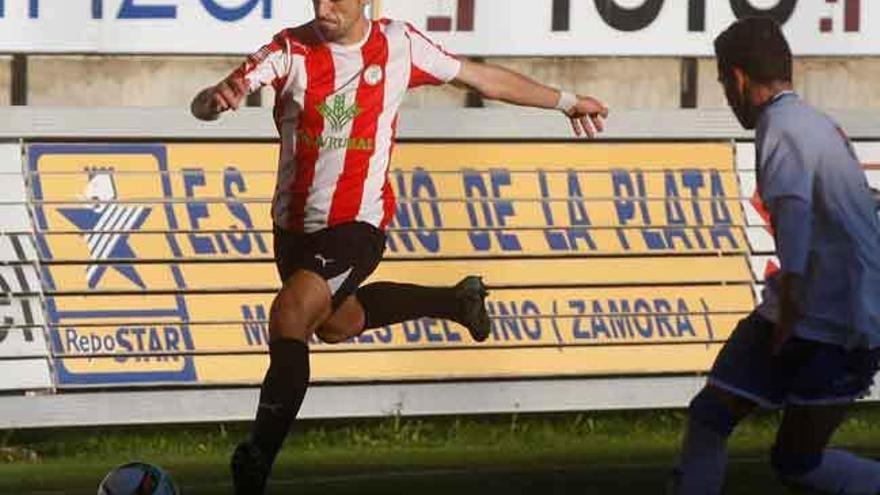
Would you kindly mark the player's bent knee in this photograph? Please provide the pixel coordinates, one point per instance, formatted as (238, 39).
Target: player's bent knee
(707, 408)
(790, 466)
(292, 316)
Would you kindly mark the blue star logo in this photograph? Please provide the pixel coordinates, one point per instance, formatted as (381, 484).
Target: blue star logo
(106, 226)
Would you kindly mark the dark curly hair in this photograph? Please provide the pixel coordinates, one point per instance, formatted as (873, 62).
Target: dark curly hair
(757, 46)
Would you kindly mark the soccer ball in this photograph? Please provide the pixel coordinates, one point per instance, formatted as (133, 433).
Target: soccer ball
(137, 478)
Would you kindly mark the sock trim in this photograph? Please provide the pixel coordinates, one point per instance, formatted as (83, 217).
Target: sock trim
(283, 344)
(761, 401)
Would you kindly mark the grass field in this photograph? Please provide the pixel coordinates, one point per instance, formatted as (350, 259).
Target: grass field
(617, 453)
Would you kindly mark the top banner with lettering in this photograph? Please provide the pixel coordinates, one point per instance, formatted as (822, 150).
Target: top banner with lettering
(468, 27)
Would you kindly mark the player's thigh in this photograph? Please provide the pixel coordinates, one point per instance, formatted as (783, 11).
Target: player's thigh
(826, 381)
(302, 304)
(827, 374)
(348, 317)
(342, 257)
(744, 370)
(808, 429)
(347, 321)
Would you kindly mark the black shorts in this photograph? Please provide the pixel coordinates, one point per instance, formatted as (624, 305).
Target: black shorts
(344, 255)
(804, 373)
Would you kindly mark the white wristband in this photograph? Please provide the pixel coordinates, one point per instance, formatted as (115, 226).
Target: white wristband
(567, 101)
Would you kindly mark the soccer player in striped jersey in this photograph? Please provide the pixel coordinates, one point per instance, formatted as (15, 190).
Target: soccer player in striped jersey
(812, 346)
(339, 82)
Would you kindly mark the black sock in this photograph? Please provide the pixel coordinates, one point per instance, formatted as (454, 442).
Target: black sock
(283, 391)
(386, 303)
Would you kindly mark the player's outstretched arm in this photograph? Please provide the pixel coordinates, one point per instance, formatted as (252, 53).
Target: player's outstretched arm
(497, 83)
(211, 102)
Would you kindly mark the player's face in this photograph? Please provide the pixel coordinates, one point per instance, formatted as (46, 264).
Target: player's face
(336, 18)
(736, 90)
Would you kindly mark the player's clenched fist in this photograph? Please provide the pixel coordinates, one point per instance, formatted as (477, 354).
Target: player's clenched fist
(227, 95)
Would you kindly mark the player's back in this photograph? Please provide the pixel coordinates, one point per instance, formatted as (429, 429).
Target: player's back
(843, 275)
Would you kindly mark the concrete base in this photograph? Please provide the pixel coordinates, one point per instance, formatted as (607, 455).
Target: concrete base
(829, 83)
(632, 83)
(350, 401)
(122, 81)
(623, 83)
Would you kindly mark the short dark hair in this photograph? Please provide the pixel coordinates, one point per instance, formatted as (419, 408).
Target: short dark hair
(757, 46)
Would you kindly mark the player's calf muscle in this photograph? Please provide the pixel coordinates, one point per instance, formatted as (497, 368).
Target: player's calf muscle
(337, 332)
(332, 335)
(345, 323)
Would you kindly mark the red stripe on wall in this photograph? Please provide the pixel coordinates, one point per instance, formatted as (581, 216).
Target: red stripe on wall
(465, 17)
(852, 16)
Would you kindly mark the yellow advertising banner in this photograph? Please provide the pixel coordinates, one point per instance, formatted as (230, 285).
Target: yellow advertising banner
(418, 215)
(162, 253)
(428, 364)
(652, 322)
(564, 156)
(233, 277)
(498, 200)
(417, 244)
(534, 317)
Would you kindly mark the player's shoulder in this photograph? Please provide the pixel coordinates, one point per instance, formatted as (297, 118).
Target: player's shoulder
(394, 26)
(396, 31)
(399, 26)
(797, 113)
(799, 123)
(388, 23)
(302, 38)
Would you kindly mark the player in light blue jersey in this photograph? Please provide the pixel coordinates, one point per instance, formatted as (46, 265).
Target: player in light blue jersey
(811, 347)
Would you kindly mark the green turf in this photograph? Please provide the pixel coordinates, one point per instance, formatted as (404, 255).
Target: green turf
(616, 453)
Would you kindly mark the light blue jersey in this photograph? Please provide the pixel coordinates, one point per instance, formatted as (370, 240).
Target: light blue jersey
(803, 154)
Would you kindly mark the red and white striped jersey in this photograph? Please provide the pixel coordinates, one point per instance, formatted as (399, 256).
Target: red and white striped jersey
(336, 111)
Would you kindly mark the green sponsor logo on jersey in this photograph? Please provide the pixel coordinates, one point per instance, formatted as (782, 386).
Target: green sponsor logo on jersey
(337, 113)
(336, 143)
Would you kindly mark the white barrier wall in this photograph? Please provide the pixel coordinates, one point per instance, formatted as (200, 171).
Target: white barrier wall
(652, 206)
(23, 350)
(13, 206)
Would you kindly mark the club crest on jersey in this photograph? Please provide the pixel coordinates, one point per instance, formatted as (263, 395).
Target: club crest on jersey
(373, 75)
(337, 113)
